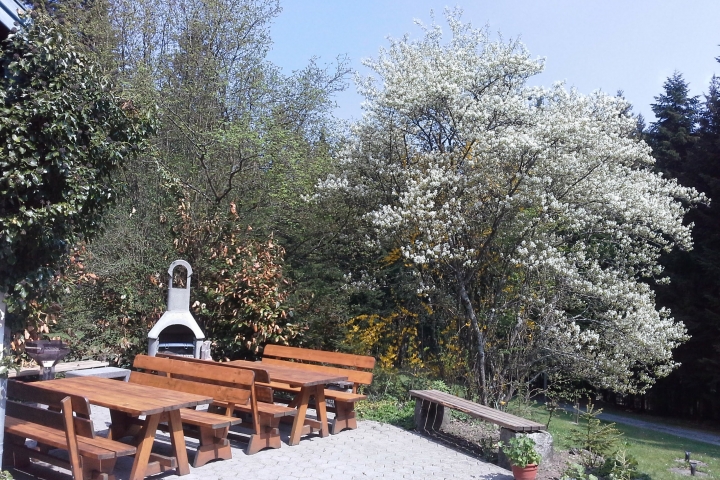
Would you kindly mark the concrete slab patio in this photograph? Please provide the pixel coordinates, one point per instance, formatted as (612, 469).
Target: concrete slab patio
(374, 450)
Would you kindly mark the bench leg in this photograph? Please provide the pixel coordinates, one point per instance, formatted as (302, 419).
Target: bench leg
(213, 446)
(269, 437)
(429, 416)
(344, 417)
(98, 469)
(15, 452)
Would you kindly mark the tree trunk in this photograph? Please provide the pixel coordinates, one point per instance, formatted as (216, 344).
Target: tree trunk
(480, 339)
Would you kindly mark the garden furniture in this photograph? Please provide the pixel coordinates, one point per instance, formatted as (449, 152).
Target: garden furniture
(431, 403)
(127, 402)
(233, 391)
(64, 425)
(309, 384)
(357, 368)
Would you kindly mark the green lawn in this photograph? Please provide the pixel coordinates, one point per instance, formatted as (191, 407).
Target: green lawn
(655, 451)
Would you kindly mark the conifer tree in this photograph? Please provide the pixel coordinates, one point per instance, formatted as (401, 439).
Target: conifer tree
(695, 275)
(672, 135)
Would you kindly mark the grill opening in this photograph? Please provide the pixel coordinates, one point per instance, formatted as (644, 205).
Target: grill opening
(177, 339)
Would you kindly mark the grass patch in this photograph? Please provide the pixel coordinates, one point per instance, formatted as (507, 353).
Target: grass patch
(394, 412)
(655, 451)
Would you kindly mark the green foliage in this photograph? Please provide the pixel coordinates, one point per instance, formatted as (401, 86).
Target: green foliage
(7, 363)
(240, 287)
(655, 451)
(695, 279)
(520, 450)
(392, 411)
(65, 132)
(562, 388)
(673, 135)
(620, 466)
(594, 438)
(575, 471)
(232, 131)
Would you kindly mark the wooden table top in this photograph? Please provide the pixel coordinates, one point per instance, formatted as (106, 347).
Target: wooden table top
(123, 396)
(294, 377)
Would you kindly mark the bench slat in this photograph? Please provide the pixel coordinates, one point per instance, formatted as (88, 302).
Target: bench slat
(506, 420)
(218, 392)
(98, 448)
(354, 376)
(319, 356)
(202, 418)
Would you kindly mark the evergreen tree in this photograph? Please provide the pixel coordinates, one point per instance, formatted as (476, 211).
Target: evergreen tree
(695, 275)
(673, 135)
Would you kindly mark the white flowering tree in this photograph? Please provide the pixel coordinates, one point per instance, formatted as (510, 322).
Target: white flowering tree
(535, 208)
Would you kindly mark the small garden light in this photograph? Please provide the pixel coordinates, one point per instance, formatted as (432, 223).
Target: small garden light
(687, 456)
(693, 467)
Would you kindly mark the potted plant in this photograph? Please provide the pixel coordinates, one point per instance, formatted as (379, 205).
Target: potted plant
(523, 457)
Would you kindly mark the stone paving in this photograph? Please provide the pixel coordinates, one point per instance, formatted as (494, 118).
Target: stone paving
(373, 450)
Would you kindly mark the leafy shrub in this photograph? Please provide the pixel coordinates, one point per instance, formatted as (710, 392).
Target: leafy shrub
(65, 133)
(240, 284)
(575, 471)
(521, 451)
(621, 466)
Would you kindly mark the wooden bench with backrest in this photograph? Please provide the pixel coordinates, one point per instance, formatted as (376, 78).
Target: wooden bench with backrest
(55, 427)
(262, 379)
(358, 369)
(232, 390)
(430, 412)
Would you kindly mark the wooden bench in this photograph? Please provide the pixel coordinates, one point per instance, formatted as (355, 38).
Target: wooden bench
(430, 412)
(56, 427)
(357, 368)
(262, 380)
(232, 391)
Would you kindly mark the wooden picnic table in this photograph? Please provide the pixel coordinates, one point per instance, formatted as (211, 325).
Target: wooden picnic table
(128, 401)
(311, 384)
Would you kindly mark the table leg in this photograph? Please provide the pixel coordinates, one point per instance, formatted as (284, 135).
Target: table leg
(144, 447)
(300, 416)
(177, 439)
(119, 426)
(321, 410)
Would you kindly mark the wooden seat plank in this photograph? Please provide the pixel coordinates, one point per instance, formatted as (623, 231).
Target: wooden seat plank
(52, 437)
(488, 414)
(201, 418)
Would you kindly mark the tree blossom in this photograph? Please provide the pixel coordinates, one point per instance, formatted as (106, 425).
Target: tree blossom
(535, 207)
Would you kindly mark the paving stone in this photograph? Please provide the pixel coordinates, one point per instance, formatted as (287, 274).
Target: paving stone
(373, 450)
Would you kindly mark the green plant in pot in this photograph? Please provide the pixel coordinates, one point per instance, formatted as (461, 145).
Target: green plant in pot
(523, 457)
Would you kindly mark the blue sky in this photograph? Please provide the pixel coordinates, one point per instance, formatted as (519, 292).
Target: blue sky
(633, 45)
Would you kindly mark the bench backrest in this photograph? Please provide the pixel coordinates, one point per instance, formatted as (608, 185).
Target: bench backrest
(228, 385)
(62, 419)
(358, 368)
(233, 387)
(264, 394)
(22, 394)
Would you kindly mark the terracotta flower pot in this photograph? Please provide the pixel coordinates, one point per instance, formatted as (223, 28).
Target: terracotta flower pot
(525, 473)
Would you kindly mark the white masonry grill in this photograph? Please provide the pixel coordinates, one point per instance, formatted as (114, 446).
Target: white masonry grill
(177, 332)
